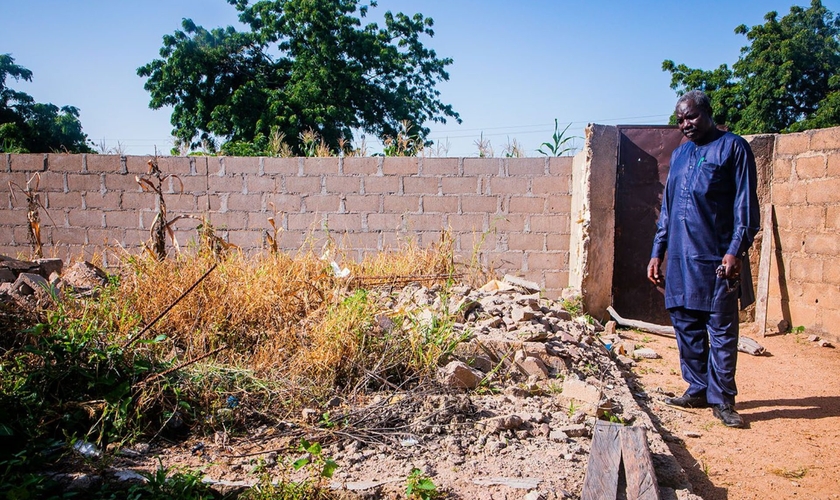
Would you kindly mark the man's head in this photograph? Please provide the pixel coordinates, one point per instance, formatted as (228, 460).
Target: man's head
(694, 117)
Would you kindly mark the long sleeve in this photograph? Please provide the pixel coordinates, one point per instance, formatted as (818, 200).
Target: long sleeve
(746, 213)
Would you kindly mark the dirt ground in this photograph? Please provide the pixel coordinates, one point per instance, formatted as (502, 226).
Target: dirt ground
(790, 402)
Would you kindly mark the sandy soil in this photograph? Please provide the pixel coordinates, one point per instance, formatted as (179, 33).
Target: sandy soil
(790, 401)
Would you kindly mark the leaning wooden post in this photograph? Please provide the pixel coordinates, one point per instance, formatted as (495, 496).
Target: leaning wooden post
(764, 269)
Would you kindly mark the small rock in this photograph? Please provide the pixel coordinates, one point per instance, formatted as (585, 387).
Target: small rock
(609, 328)
(457, 374)
(533, 495)
(529, 286)
(813, 338)
(645, 353)
(693, 434)
(574, 430)
(825, 343)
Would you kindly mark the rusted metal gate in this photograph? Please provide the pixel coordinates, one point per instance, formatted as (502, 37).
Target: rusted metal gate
(644, 155)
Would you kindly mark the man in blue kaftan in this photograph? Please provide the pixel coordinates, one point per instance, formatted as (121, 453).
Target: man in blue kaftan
(708, 220)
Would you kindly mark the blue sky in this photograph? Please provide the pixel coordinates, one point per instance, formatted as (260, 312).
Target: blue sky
(518, 65)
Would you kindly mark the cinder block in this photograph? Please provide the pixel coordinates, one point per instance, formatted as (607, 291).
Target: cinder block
(526, 205)
(508, 223)
(508, 185)
(283, 203)
(363, 203)
(63, 200)
(65, 162)
(321, 203)
(558, 242)
(459, 185)
(320, 166)
(307, 221)
(122, 219)
(483, 166)
(137, 165)
(806, 269)
(793, 144)
(480, 204)
(561, 184)
(465, 222)
(103, 163)
(480, 242)
(809, 217)
(822, 244)
(439, 166)
(175, 165)
(359, 165)
(833, 167)
(559, 204)
(425, 222)
(225, 184)
(555, 282)
(560, 166)
(782, 169)
(551, 224)
(262, 184)
(832, 218)
(826, 139)
(120, 182)
(282, 166)
(344, 222)
(546, 260)
(241, 165)
(440, 204)
(383, 222)
(28, 162)
(86, 218)
(401, 204)
(247, 202)
(52, 181)
(84, 182)
(810, 167)
(823, 191)
(303, 185)
(138, 201)
(526, 241)
(67, 236)
(408, 165)
(526, 166)
(788, 193)
(381, 185)
(342, 184)
(101, 238)
(5, 165)
(420, 185)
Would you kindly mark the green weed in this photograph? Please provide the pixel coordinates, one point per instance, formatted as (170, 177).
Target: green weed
(419, 486)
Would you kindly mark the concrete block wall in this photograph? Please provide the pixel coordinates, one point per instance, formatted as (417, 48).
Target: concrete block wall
(805, 191)
(514, 212)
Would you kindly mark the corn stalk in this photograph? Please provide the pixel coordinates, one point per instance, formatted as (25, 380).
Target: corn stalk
(33, 204)
(160, 226)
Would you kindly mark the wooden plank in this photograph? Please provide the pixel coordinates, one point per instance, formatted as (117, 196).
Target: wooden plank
(638, 465)
(601, 482)
(641, 325)
(764, 269)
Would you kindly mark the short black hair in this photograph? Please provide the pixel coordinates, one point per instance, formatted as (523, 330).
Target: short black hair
(699, 98)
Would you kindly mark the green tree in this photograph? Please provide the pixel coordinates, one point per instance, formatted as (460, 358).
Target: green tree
(305, 65)
(27, 126)
(787, 79)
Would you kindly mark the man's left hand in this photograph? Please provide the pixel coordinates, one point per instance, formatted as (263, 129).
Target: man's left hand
(731, 267)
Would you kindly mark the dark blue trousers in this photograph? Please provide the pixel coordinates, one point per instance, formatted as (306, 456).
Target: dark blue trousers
(708, 346)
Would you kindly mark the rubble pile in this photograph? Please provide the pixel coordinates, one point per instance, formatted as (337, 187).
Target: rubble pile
(510, 416)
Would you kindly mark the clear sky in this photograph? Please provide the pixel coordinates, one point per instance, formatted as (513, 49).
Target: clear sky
(517, 65)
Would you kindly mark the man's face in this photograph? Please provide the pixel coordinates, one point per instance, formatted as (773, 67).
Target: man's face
(694, 122)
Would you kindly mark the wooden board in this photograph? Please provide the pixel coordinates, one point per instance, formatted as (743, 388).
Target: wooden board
(601, 482)
(764, 269)
(638, 465)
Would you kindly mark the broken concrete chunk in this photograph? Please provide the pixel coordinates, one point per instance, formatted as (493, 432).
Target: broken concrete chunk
(6, 275)
(645, 353)
(520, 314)
(30, 283)
(534, 367)
(495, 425)
(581, 391)
(49, 266)
(575, 430)
(529, 286)
(84, 275)
(459, 375)
(609, 328)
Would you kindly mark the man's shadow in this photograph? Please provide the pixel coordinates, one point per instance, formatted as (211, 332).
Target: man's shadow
(810, 408)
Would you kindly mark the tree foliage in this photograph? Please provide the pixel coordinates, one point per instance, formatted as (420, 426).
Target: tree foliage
(787, 79)
(27, 126)
(303, 66)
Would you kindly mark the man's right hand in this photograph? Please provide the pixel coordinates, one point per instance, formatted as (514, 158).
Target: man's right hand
(654, 273)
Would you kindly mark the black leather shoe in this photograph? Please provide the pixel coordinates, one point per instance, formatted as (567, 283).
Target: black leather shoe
(686, 401)
(727, 414)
